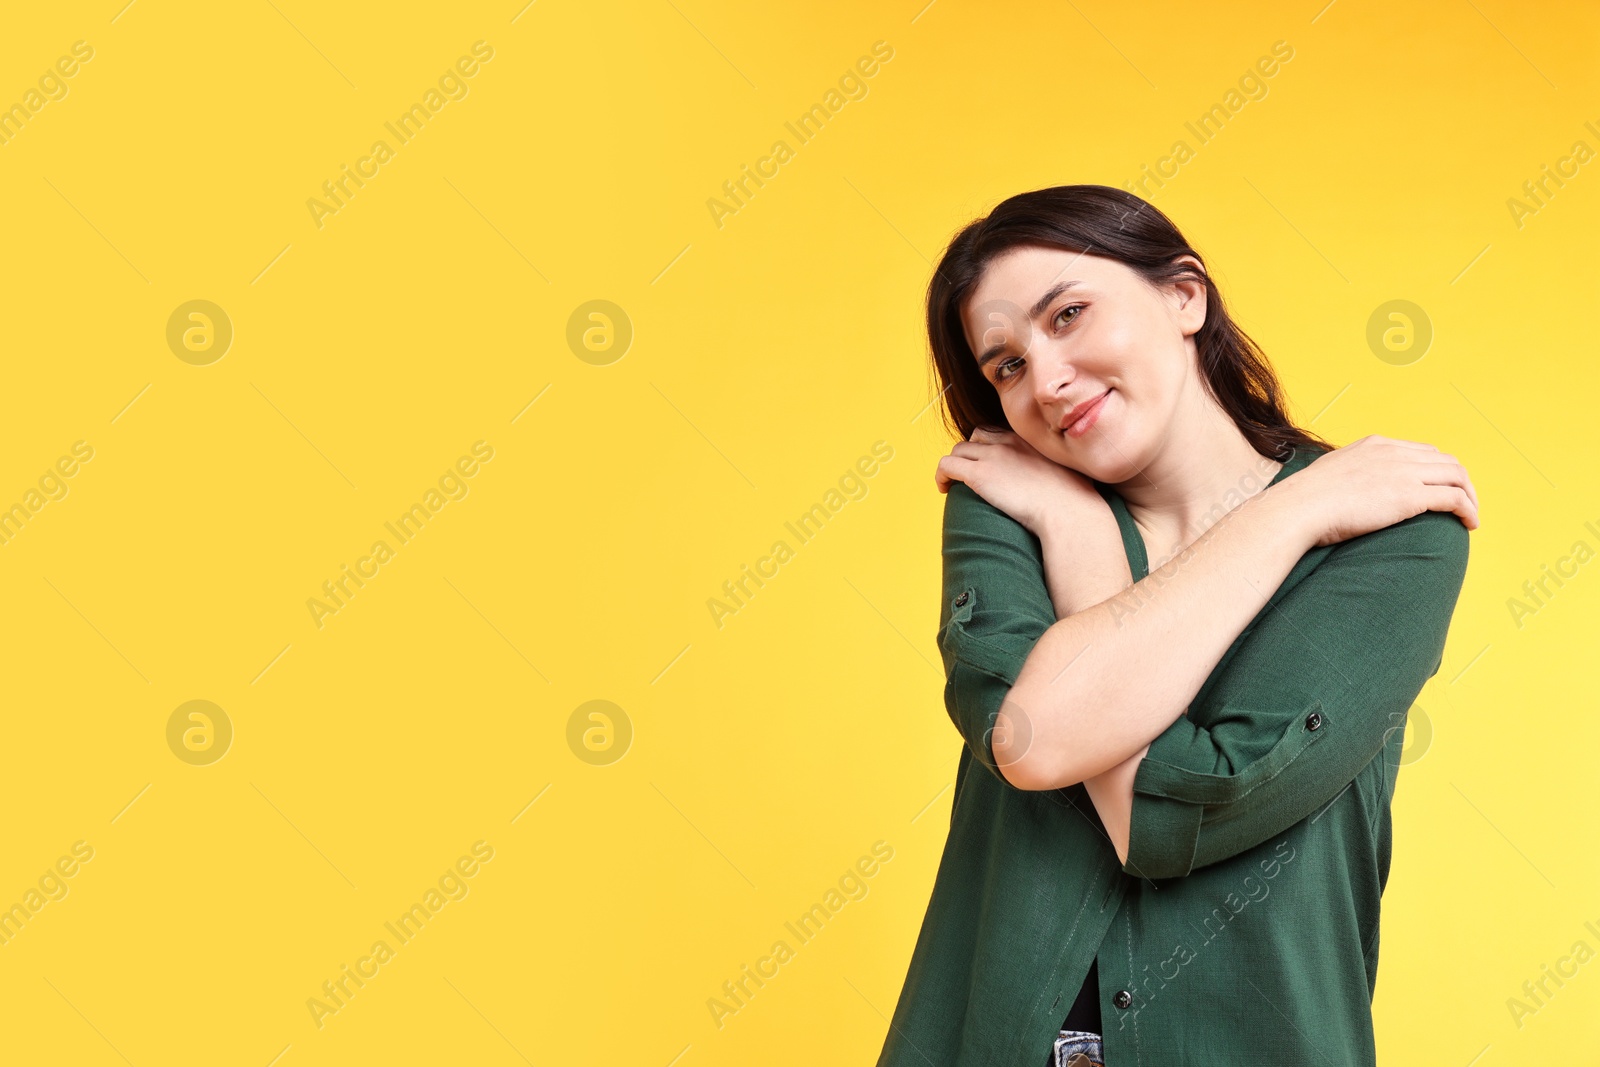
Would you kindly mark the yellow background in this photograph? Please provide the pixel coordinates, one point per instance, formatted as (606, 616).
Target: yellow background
(768, 355)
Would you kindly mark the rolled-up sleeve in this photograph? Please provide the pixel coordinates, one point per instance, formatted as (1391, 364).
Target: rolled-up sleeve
(996, 607)
(1319, 681)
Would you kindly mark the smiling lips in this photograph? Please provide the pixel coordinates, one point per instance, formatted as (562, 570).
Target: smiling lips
(1079, 419)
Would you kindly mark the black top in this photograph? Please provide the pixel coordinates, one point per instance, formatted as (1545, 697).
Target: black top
(1085, 1011)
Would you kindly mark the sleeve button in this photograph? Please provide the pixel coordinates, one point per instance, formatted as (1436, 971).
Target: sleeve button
(1313, 720)
(961, 600)
(1122, 998)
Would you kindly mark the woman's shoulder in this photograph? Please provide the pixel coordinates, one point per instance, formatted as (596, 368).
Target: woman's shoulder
(1431, 547)
(966, 512)
(1439, 535)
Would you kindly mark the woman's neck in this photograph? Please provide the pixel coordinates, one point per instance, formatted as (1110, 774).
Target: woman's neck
(1189, 485)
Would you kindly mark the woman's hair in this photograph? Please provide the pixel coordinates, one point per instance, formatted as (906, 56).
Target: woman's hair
(1102, 221)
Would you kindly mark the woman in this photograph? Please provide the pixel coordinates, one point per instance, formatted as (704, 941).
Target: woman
(1181, 636)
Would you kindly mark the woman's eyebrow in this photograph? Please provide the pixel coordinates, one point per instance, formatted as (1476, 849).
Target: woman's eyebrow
(1034, 312)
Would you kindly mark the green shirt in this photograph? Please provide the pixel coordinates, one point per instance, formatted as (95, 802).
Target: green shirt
(1243, 928)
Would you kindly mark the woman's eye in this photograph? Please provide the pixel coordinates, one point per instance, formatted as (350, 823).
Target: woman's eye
(1000, 373)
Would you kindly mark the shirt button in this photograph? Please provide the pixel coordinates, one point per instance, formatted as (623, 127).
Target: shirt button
(960, 600)
(1313, 720)
(1122, 999)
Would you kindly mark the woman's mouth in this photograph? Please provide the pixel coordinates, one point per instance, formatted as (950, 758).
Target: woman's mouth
(1088, 418)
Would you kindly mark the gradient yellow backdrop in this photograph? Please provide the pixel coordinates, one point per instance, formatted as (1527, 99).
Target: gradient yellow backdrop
(764, 754)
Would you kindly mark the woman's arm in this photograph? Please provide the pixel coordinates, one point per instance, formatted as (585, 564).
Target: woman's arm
(1009, 633)
(1105, 681)
(1112, 796)
(1310, 698)
(1091, 568)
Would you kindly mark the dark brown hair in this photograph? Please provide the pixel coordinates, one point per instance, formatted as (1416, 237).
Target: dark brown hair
(1102, 221)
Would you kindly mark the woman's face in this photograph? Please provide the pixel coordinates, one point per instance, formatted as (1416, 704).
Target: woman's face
(1055, 330)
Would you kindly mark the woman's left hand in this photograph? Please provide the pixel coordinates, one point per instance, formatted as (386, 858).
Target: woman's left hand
(1012, 475)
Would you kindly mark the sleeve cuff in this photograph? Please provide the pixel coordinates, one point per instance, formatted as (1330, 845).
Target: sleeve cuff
(1180, 775)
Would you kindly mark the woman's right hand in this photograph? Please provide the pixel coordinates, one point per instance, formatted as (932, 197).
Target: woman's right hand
(1013, 476)
(1378, 481)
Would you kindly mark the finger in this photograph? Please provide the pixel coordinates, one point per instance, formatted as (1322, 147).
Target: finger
(1453, 498)
(952, 468)
(1463, 478)
(1468, 507)
(1443, 465)
(1465, 481)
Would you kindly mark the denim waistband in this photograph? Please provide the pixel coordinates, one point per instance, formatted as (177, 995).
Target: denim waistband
(1079, 1048)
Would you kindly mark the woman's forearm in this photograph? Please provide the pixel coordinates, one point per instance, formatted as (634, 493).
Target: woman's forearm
(1111, 793)
(1086, 563)
(1106, 679)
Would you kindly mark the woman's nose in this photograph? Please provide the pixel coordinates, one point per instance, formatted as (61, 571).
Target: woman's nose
(1054, 375)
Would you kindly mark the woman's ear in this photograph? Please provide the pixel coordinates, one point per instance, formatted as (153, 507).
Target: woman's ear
(1189, 298)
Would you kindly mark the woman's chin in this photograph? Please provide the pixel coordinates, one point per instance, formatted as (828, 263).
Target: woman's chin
(1099, 459)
